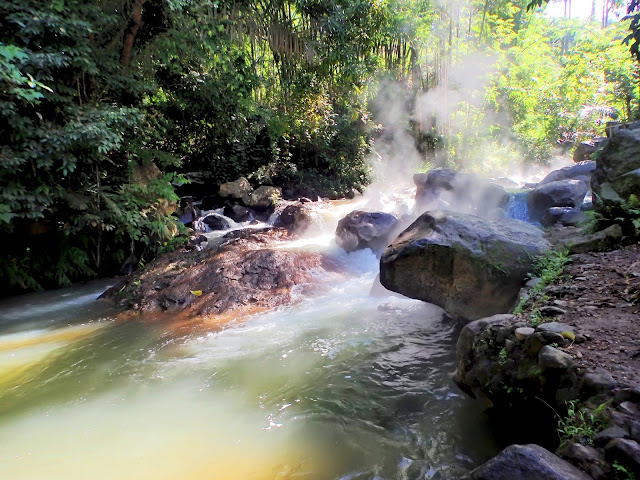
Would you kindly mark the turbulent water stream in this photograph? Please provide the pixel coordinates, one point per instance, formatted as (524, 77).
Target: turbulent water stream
(341, 385)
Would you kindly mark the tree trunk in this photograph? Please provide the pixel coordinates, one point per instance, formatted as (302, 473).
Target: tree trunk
(135, 25)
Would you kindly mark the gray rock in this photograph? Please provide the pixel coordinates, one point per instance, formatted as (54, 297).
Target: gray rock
(551, 358)
(361, 229)
(551, 311)
(627, 395)
(562, 193)
(462, 192)
(608, 434)
(466, 351)
(603, 240)
(238, 213)
(263, 198)
(566, 216)
(580, 169)
(555, 327)
(526, 462)
(238, 189)
(470, 266)
(533, 282)
(212, 222)
(625, 452)
(617, 174)
(587, 459)
(600, 381)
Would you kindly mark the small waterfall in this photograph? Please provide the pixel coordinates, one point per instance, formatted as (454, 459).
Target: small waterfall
(517, 208)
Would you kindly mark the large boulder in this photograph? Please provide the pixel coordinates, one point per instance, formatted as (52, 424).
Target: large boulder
(239, 189)
(561, 193)
(617, 175)
(460, 192)
(526, 462)
(579, 171)
(470, 266)
(361, 229)
(265, 197)
(239, 276)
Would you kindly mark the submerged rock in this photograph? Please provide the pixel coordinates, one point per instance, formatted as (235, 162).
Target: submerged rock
(470, 266)
(526, 462)
(361, 229)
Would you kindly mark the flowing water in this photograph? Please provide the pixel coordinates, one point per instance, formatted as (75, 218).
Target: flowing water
(342, 385)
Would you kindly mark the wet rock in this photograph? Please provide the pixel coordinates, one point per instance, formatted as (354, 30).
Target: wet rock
(463, 192)
(566, 216)
(551, 358)
(468, 356)
(605, 436)
(197, 241)
(263, 198)
(238, 213)
(296, 217)
(361, 229)
(239, 189)
(577, 171)
(470, 266)
(597, 382)
(214, 222)
(603, 240)
(586, 458)
(526, 462)
(626, 452)
(240, 275)
(562, 193)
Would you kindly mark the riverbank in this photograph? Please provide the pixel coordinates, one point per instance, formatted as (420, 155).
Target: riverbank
(570, 360)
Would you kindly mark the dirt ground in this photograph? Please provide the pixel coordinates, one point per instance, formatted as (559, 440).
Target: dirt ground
(600, 295)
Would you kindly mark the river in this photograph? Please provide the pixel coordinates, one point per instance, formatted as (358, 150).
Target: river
(342, 385)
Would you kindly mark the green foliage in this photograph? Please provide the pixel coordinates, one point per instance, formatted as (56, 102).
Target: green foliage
(280, 92)
(621, 472)
(548, 268)
(578, 426)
